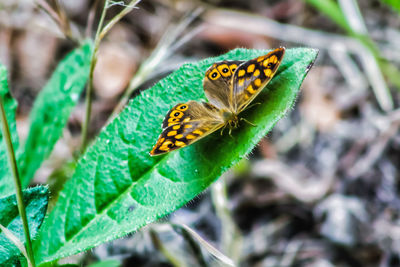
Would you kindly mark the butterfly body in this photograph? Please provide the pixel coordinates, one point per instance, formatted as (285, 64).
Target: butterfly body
(230, 86)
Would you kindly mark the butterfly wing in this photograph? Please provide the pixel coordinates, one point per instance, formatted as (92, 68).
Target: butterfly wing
(217, 83)
(252, 76)
(187, 123)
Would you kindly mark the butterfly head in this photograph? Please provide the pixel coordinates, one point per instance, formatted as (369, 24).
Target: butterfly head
(230, 119)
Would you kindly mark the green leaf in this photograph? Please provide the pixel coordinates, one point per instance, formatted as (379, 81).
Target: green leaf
(52, 108)
(395, 4)
(35, 200)
(118, 188)
(106, 263)
(10, 106)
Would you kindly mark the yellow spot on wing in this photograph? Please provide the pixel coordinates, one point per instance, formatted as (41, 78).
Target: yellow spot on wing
(179, 143)
(171, 133)
(251, 68)
(187, 126)
(186, 120)
(211, 75)
(256, 73)
(176, 114)
(241, 73)
(198, 132)
(260, 59)
(268, 72)
(178, 136)
(190, 136)
(220, 68)
(164, 146)
(176, 127)
(257, 82)
(250, 89)
(241, 82)
(182, 107)
(273, 59)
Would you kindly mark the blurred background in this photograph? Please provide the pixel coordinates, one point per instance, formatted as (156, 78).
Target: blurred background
(321, 189)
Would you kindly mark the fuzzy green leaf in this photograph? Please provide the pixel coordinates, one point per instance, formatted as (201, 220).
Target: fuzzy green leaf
(35, 200)
(118, 188)
(10, 106)
(52, 108)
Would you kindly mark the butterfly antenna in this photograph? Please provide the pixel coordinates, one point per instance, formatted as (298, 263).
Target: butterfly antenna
(252, 105)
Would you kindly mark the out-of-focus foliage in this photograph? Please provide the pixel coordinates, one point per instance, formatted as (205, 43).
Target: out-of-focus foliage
(394, 4)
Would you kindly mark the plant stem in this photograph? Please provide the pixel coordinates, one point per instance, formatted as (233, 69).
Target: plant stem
(168, 43)
(14, 239)
(160, 246)
(89, 89)
(230, 234)
(17, 182)
(331, 9)
(118, 17)
(59, 17)
(100, 33)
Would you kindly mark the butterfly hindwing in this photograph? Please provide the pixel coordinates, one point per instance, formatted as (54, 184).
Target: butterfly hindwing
(252, 76)
(217, 83)
(194, 121)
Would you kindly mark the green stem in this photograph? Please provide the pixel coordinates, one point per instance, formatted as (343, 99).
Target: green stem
(100, 33)
(17, 181)
(89, 89)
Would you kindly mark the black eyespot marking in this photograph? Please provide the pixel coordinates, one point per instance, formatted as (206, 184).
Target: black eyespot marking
(214, 75)
(176, 114)
(233, 70)
(170, 145)
(225, 70)
(270, 65)
(183, 107)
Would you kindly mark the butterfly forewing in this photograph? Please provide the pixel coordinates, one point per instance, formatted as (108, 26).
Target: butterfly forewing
(186, 123)
(217, 83)
(252, 76)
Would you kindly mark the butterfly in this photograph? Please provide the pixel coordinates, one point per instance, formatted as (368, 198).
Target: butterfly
(230, 86)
